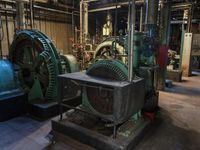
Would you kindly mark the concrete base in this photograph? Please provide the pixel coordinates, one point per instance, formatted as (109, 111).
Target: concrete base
(96, 140)
(11, 107)
(174, 75)
(43, 111)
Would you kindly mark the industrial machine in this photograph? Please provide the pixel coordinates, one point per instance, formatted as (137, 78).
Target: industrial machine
(174, 72)
(113, 107)
(39, 64)
(12, 97)
(119, 89)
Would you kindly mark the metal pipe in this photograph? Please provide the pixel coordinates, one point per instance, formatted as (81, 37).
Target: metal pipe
(141, 18)
(115, 30)
(20, 14)
(73, 24)
(81, 21)
(190, 17)
(53, 10)
(31, 14)
(181, 6)
(1, 36)
(165, 22)
(104, 8)
(146, 12)
(130, 55)
(7, 30)
(85, 20)
(113, 6)
(152, 11)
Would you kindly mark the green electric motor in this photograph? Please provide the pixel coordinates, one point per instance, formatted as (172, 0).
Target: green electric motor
(39, 64)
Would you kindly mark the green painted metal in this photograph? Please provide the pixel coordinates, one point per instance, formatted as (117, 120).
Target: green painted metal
(138, 46)
(116, 67)
(36, 90)
(69, 64)
(39, 64)
(135, 119)
(143, 55)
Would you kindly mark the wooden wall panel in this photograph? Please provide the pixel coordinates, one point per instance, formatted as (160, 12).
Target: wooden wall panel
(59, 33)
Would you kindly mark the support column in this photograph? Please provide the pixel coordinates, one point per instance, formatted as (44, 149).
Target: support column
(186, 55)
(164, 33)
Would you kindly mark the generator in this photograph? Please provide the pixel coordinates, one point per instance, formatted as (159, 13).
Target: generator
(39, 65)
(112, 109)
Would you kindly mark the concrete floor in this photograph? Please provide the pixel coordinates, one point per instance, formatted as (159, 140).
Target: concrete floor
(177, 126)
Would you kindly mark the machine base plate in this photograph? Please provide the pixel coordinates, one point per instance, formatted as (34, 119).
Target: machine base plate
(12, 106)
(87, 134)
(43, 111)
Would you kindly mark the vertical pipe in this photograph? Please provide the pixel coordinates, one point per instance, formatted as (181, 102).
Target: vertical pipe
(164, 42)
(7, 30)
(81, 22)
(1, 36)
(115, 29)
(161, 7)
(146, 12)
(141, 18)
(73, 24)
(85, 20)
(31, 14)
(129, 41)
(20, 14)
(152, 11)
(166, 18)
(190, 17)
(129, 17)
(130, 53)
